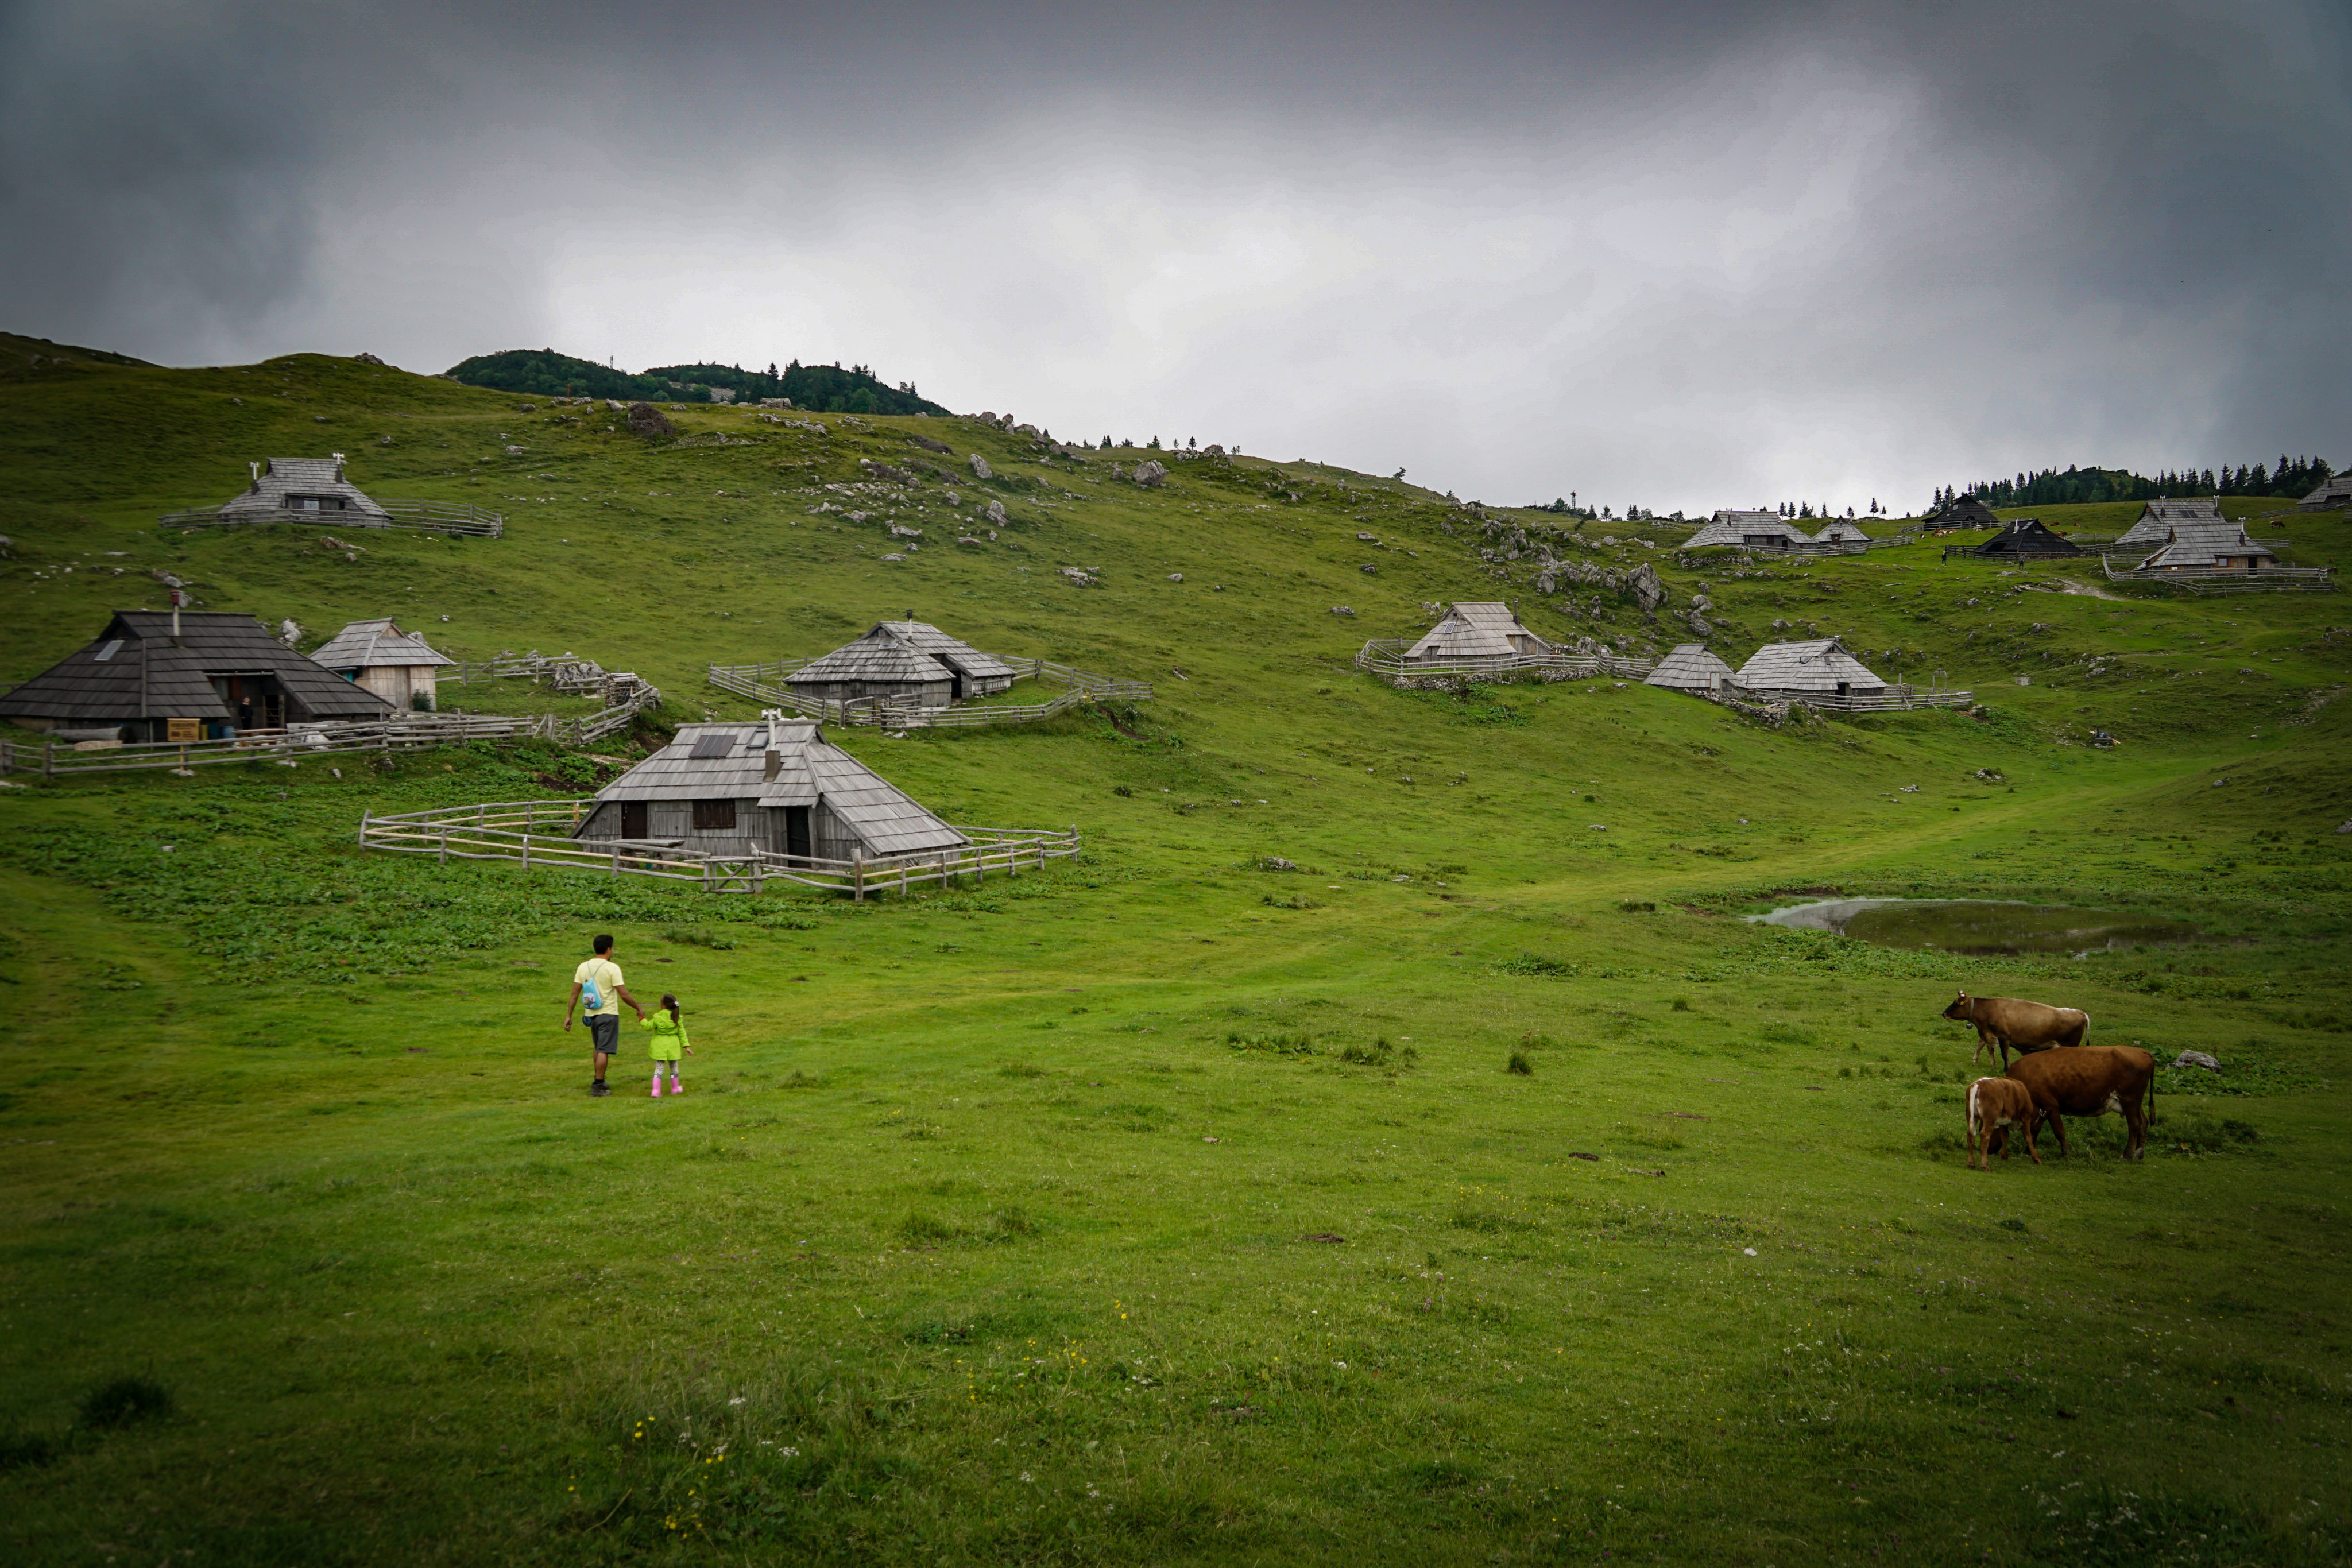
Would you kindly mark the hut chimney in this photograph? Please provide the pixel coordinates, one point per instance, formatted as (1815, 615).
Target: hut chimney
(774, 764)
(339, 467)
(256, 467)
(176, 597)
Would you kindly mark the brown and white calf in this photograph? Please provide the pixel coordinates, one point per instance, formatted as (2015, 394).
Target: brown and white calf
(1995, 1103)
(2014, 1025)
(2092, 1080)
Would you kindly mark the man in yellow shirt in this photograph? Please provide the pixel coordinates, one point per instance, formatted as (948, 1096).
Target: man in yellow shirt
(599, 978)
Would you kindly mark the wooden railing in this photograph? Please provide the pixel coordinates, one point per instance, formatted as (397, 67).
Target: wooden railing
(422, 516)
(1896, 698)
(765, 684)
(2217, 579)
(1384, 657)
(539, 833)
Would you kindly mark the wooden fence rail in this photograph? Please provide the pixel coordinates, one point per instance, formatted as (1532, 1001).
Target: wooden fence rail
(1384, 657)
(2265, 579)
(420, 517)
(539, 833)
(1897, 698)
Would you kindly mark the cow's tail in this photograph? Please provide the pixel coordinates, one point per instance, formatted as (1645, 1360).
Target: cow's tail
(1975, 1115)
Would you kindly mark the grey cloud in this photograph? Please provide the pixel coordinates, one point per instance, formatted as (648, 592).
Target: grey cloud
(1684, 256)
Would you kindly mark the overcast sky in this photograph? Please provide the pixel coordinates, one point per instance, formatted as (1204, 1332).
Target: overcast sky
(1669, 255)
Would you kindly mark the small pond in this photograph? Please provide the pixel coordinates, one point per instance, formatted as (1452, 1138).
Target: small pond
(1977, 925)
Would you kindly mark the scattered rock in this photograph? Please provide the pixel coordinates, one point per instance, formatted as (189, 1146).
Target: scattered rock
(1175, 577)
(290, 633)
(897, 532)
(168, 581)
(1369, 569)
(980, 468)
(2025, 680)
(928, 444)
(367, 358)
(884, 472)
(1276, 862)
(954, 499)
(2197, 1059)
(2219, 782)
(1151, 475)
(1367, 539)
(996, 515)
(1080, 576)
(648, 421)
(1779, 625)
(1341, 609)
(2346, 828)
(967, 540)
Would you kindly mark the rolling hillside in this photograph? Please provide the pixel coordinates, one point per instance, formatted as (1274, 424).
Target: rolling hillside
(1160, 1207)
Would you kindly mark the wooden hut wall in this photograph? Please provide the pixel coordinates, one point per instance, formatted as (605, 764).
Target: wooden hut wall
(939, 693)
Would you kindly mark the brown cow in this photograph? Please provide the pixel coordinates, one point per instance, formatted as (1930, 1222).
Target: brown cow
(1995, 1103)
(2091, 1081)
(2022, 1027)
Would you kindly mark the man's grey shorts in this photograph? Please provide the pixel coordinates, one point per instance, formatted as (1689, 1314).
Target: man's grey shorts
(605, 1030)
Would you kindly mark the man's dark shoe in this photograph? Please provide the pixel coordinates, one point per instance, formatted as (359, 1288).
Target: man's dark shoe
(598, 1088)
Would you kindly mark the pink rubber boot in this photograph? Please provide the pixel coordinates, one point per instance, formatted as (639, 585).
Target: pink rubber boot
(675, 1087)
(657, 1094)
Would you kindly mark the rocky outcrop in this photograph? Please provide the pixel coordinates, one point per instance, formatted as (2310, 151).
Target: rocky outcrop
(649, 422)
(1151, 475)
(980, 468)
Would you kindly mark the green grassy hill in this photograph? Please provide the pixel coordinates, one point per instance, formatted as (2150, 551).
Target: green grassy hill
(1158, 1207)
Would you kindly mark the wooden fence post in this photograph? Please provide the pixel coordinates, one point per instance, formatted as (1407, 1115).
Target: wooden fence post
(444, 844)
(526, 844)
(364, 814)
(858, 870)
(50, 759)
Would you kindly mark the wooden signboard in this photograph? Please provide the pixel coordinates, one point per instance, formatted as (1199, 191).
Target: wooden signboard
(183, 730)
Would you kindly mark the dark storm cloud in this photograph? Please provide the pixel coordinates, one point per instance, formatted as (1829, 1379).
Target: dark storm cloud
(1677, 255)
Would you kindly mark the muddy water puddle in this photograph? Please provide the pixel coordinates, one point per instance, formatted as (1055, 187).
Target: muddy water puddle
(1978, 925)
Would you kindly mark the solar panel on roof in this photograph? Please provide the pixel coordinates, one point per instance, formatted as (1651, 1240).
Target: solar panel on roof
(710, 746)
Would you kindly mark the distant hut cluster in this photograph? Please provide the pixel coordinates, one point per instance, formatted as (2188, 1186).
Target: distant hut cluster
(1822, 671)
(173, 674)
(776, 787)
(2327, 497)
(1767, 530)
(903, 661)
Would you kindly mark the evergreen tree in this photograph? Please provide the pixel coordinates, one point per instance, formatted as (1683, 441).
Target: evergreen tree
(1106, 445)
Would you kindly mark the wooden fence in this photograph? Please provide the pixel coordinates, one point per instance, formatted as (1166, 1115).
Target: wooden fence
(1897, 698)
(419, 517)
(1384, 657)
(764, 683)
(539, 833)
(2263, 579)
(414, 732)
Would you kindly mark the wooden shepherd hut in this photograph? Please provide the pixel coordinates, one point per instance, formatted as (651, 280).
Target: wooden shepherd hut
(1963, 512)
(304, 490)
(776, 786)
(2209, 547)
(2157, 518)
(1477, 637)
(395, 666)
(1841, 531)
(905, 660)
(2337, 492)
(1803, 671)
(1690, 668)
(174, 675)
(1755, 530)
(2023, 538)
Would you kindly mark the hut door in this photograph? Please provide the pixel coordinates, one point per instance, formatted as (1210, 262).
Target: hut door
(955, 685)
(1845, 688)
(796, 832)
(633, 819)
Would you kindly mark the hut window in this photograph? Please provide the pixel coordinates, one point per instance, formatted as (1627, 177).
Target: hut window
(112, 647)
(715, 815)
(315, 502)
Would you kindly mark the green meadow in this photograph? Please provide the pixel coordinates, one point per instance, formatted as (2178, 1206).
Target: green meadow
(1483, 1189)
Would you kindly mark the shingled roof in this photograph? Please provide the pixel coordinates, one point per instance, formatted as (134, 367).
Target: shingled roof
(974, 665)
(728, 761)
(2337, 492)
(2027, 537)
(308, 485)
(136, 669)
(2156, 519)
(363, 645)
(1689, 668)
(1479, 630)
(2208, 545)
(880, 655)
(1731, 528)
(1841, 530)
(1821, 665)
(1964, 512)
